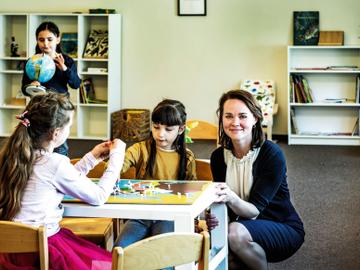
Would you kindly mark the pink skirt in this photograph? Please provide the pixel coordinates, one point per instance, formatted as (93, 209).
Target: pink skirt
(66, 252)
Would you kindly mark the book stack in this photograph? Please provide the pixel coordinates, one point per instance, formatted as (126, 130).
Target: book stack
(87, 93)
(300, 89)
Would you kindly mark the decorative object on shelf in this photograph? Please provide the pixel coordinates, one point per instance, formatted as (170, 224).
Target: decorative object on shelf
(18, 100)
(188, 128)
(97, 44)
(14, 48)
(69, 44)
(331, 38)
(306, 27)
(101, 11)
(192, 7)
(131, 125)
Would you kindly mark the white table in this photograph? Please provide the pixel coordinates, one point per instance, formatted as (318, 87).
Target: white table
(182, 215)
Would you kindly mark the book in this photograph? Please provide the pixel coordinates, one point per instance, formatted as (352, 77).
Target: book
(295, 128)
(357, 90)
(69, 44)
(355, 130)
(336, 100)
(343, 68)
(97, 44)
(308, 92)
(306, 27)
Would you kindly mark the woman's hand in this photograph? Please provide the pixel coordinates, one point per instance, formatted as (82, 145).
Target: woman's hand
(224, 193)
(60, 61)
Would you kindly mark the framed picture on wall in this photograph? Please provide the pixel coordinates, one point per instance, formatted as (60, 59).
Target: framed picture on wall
(192, 7)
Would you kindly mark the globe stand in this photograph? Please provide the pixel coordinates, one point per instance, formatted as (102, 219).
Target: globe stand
(34, 90)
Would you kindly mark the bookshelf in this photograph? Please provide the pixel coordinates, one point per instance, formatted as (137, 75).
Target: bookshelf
(92, 120)
(331, 118)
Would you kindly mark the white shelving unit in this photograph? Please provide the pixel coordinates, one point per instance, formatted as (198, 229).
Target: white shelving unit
(320, 122)
(92, 121)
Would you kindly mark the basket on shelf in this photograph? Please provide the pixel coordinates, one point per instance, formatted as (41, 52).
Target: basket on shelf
(131, 125)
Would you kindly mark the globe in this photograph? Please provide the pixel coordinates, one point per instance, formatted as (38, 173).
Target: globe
(40, 67)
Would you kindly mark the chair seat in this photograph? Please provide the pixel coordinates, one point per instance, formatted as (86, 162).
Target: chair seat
(97, 230)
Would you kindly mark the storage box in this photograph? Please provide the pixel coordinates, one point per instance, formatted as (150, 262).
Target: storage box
(131, 125)
(331, 38)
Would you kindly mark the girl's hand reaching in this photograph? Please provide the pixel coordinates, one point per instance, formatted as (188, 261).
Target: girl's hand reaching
(60, 62)
(102, 150)
(211, 221)
(117, 144)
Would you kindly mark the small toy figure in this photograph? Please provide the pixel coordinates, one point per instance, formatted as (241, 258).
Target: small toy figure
(14, 48)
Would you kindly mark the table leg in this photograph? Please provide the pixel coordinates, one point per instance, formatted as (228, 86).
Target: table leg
(219, 243)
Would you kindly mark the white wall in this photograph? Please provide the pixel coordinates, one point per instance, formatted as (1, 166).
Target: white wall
(196, 59)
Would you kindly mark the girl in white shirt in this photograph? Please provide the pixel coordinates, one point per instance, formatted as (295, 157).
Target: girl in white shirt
(34, 180)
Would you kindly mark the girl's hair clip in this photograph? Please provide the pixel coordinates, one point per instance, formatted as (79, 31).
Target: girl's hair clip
(23, 119)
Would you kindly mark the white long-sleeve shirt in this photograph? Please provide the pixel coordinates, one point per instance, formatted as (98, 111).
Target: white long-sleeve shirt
(54, 176)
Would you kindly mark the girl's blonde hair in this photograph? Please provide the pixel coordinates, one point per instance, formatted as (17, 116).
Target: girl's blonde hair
(42, 116)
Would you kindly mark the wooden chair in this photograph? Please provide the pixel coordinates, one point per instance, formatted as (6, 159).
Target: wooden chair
(202, 130)
(164, 250)
(21, 238)
(97, 230)
(203, 170)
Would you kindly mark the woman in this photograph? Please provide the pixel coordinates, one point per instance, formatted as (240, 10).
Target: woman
(251, 171)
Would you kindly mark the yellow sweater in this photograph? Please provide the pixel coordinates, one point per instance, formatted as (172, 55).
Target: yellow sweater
(166, 162)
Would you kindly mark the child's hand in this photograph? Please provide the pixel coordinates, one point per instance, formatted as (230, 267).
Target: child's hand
(35, 83)
(118, 144)
(60, 62)
(211, 221)
(101, 151)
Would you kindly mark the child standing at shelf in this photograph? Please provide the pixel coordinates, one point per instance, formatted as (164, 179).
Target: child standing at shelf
(162, 157)
(48, 42)
(34, 179)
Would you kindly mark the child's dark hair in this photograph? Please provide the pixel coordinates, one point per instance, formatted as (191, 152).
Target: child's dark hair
(171, 113)
(52, 27)
(41, 117)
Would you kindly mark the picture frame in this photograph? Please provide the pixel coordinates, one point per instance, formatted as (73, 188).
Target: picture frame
(97, 45)
(69, 44)
(191, 7)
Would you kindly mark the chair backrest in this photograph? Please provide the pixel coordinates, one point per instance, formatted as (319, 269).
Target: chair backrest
(96, 172)
(202, 130)
(129, 174)
(21, 238)
(203, 170)
(265, 94)
(164, 250)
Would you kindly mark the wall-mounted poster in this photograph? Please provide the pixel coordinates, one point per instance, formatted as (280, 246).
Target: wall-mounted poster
(97, 44)
(306, 27)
